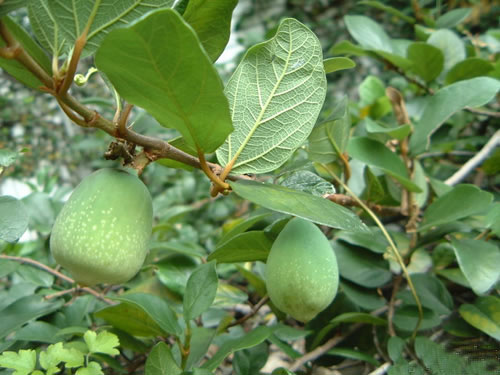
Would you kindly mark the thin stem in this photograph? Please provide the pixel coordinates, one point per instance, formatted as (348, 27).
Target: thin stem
(210, 174)
(254, 311)
(121, 128)
(392, 246)
(186, 348)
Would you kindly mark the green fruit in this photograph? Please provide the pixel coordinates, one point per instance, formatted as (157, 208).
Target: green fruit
(302, 275)
(101, 235)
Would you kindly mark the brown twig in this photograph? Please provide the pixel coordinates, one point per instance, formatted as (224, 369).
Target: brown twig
(58, 274)
(346, 200)
(392, 305)
(254, 311)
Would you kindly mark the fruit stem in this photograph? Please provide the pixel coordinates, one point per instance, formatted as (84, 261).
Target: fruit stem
(392, 246)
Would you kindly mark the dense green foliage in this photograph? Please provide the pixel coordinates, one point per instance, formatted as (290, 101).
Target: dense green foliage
(372, 124)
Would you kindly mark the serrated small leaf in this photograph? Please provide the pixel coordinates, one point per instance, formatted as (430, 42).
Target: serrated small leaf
(23, 362)
(307, 206)
(275, 96)
(200, 291)
(93, 368)
(103, 342)
(56, 354)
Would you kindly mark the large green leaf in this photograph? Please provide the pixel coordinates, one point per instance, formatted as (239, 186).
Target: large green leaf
(452, 18)
(445, 208)
(176, 82)
(450, 45)
(377, 155)
(251, 339)
(10, 5)
(71, 17)
(365, 298)
(23, 310)
(368, 33)
(293, 202)
(157, 308)
(45, 26)
(469, 68)
(200, 291)
(275, 96)
(428, 60)
(161, 361)
(448, 100)
(244, 247)
(479, 262)
(13, 218)
(484, 315)
(211, 19)
(15, 68)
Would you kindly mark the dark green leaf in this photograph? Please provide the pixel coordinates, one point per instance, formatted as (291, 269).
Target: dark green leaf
(406, 317)
(212, 22)
(310, 207)
(157, 308)
(334, 64)
(361, 267)
(11, 5)
(23, 310)
(368, 33)
(250, 361)
(38, 331)
(353, 354)
(483, 315)
(428, 61)
(251, 339)
(448, 100)
(453, 18)
(13, 218)
(358, 317)
(275, 96)
(200, 291)
(36, 276)
(479, 262)
(161, 362)
(492, 219)
(199, 111)
(244, 247)
(395, 348)
(201, 338)
(445, 208)
(377, 155)
(374, 240)
(174, 271)
(7, 267)
(367, 299)
(467, 69)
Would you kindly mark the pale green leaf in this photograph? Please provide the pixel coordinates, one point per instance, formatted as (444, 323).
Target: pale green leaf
(448, 100)
(22, 362)
(45, 27)
(103, 342)
(368, 33)
(398, 132)
(178, 85)
(293, 202)
(275, 96)
(334, 64)
(93, 368)
(479, 262)
(308, 182)
(484, 314)
(453, 18)
(450, 45)
(13, 218)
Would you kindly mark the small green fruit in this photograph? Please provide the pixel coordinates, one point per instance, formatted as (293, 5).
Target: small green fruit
(302, 275)
(101, 235)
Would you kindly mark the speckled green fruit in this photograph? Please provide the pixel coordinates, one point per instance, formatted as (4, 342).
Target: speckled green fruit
(302, 275)
(101, 235)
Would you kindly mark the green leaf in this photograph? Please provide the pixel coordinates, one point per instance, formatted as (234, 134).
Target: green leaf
(406, 317)
(7, 157)
(23, 310)
(250, 361)
(334, 64)
(374, 191)
(200, 291)
(419, 178)
(367, 299)
(373, 240)
(241, 226)
(479, 262)
(181, 144)
(282, 371)
(23, 362)
(11, 5)
(453, 18)
(428, 60)
(353, 354)
(361, 267)
(467, 69)
(104, 342)
(371, 89)
(484, 315)
(450, 45)
(212, 22)
(329, 139)
(345, 47)
(178, 85)
(15, 68)
(251, 339)
(244, 247)
(72, 17)
(492, 219)
(161, 362)
(275, 96)
(358, 317)
(45, 26)
(368, 33)
(38, 331)
(93, 368)
(375, 154)
(306, 206)
(56, 354)
(395, 348)
(308, 182)
(174, 271)
(398, 132)
(13, 218)
(388, 9)
(445, 208)
(157, 308)
(447, 101)
(201, 338)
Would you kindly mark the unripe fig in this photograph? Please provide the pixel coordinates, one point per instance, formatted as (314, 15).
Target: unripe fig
(101, 234)
(302, 275)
